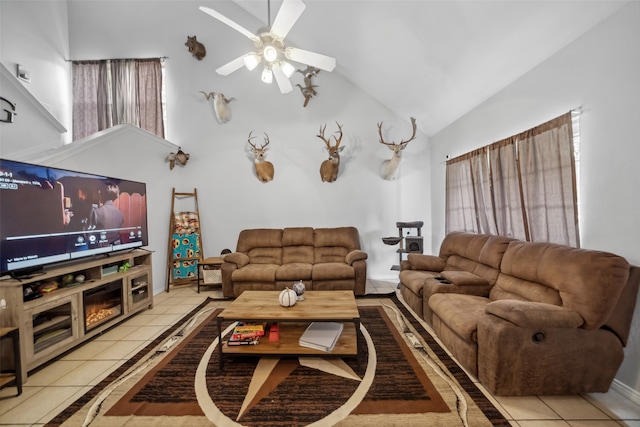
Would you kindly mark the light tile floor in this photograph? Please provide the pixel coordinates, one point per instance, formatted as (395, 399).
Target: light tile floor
(56, 385)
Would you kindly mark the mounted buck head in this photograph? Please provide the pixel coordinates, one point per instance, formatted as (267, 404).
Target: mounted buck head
(264, 169)
(329, 168)
(390, 167)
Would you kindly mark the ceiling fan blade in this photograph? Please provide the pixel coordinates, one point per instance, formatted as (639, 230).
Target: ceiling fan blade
(220, 17)
(287, 16)
(283, 81)
(317, 60)
(232, 66)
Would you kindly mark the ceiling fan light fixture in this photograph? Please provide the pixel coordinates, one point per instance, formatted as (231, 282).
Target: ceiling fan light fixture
(251, 61)
(270, 53)
(287, 69)
(267, 75)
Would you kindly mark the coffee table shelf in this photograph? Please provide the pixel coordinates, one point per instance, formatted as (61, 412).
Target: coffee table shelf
(318, 306)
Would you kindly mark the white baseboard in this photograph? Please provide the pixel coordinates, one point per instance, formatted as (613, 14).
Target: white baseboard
(626, 391)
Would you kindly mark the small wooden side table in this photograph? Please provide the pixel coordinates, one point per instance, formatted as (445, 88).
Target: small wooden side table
(6, 378)
(210, 272)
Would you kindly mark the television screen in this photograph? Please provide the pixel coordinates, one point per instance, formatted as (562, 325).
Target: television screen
(50, 215)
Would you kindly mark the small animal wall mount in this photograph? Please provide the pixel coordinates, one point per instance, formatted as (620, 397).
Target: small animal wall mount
(196, 48)
(264, 169)
(220, 105)
(330, 167)
(180, 158)
(390, 167)
(309, 89)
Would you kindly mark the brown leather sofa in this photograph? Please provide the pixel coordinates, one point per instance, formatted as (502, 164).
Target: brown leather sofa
(272, 259)
(526, 318)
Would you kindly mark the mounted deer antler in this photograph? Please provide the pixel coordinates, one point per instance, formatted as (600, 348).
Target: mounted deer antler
(329, 168)
(390, 167)
(264, 169)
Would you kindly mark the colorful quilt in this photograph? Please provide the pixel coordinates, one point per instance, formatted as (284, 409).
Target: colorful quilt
(185, 246)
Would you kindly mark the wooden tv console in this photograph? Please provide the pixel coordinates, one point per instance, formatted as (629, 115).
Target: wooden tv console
(57, 321)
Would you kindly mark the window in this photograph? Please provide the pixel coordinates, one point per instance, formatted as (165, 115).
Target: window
(523, 186)
(112, 92)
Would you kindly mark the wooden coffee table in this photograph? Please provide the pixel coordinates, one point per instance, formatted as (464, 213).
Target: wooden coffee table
(317, 306)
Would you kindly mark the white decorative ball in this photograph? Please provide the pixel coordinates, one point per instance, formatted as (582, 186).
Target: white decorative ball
(288, 297)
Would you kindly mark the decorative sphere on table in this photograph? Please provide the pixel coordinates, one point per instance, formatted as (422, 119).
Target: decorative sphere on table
(288, 297)
(299, 288)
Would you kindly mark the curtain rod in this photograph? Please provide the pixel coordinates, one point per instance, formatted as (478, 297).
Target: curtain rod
(162, 58)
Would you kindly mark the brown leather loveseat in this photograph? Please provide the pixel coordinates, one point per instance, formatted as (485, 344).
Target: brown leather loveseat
(272, 259)
(526, 318)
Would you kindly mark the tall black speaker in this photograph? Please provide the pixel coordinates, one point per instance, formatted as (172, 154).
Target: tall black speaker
(413, 244)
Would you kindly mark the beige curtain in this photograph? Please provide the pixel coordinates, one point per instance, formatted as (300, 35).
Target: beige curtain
(85, 98)
(460, 203)
(523, 187)
(547, 170)
(121, 92)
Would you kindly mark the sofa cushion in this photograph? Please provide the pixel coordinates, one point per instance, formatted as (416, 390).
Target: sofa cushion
(259, 238)
(333, 244)
(586, 281)
(297, 254)
(255, 273)
(459, 312)
(265, 256)
(426, 262)
(332, 271)
(415, 280)
(294, 271)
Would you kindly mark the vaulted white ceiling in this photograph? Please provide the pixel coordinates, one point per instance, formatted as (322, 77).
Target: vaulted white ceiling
(434, 60)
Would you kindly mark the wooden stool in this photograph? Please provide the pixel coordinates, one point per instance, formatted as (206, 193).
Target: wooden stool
(6, 378)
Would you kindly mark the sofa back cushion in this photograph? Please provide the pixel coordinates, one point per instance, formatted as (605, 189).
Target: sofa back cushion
(479, 254)
(297, 245)
(586, 281)
(263, 245)
(333, 244)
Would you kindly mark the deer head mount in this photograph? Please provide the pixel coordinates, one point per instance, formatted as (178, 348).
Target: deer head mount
(390, 167)
(264, 169)
(329, 168)
(220, 105)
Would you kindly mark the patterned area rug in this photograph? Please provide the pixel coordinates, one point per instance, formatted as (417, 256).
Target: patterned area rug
(177, 381)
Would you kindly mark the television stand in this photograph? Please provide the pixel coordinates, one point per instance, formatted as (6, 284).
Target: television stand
(60, 318)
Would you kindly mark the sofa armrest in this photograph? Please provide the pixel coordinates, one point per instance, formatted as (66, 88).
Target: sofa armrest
(237, 258)
(534, 315)
(464, 278)
(355, 255)
(425, 262)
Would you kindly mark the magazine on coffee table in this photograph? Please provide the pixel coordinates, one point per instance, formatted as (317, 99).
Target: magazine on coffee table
(321, 335)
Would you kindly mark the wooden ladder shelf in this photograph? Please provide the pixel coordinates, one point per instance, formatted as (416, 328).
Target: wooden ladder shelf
(185, 250)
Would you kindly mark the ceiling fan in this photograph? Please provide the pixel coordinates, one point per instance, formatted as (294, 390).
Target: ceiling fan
(271, 49)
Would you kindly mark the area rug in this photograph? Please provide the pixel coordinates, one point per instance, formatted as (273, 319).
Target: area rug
(177, 381)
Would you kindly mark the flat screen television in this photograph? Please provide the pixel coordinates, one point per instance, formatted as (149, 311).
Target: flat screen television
(50, 215)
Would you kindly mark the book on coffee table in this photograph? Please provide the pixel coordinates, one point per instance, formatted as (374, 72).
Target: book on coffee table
(321, 335)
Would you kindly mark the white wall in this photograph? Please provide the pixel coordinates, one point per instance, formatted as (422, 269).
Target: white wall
(231, 198)
(598, 72)
(35, 35)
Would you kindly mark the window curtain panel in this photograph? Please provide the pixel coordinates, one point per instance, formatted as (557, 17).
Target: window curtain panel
(547, 170)
(523, 187)
(121, 92)
(85, 98)
(460, 204)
